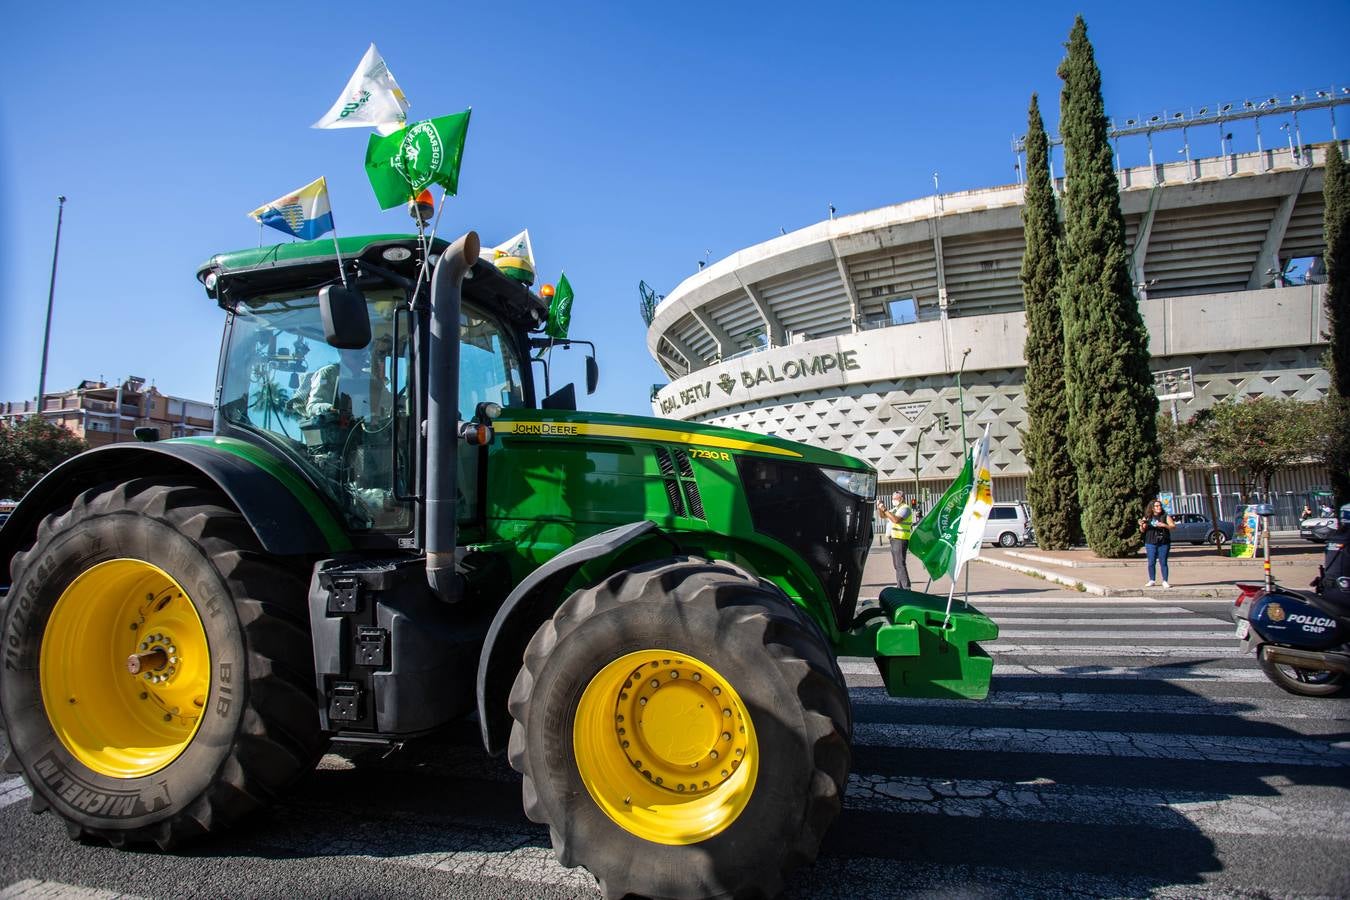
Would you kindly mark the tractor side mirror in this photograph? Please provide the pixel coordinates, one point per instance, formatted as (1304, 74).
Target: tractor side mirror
(346, 323)
(592, 374)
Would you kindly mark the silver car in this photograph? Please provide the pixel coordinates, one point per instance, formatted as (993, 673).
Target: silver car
(1200, 529)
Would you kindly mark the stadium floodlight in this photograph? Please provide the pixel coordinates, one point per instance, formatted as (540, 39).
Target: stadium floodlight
(1274, 101)
(1178, 116)
(1247, 104)
(1225, 108)
(1130, 123)
(1153, 119)
(1322, 95)
(1204, 110)
(1296, 98)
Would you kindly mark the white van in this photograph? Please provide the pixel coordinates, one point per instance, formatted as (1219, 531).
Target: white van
(1009, 525)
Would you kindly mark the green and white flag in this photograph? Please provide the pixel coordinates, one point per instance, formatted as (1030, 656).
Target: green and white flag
(371, 99)
(951, 533)
(560, 311)
(428, 152)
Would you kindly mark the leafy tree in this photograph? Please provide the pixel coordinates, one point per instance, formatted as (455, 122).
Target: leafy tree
(29, 449)
(1336, 232)
(1259, 436)
(1052, 486)
(1112, 406)
(1179, 443)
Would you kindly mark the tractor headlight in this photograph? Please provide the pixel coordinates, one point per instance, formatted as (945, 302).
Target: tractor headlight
(864, 484)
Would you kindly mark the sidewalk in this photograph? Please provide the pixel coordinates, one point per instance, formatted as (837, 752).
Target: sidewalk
(1194, 571)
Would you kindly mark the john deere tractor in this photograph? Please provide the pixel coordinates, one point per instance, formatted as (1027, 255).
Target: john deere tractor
(391, 529)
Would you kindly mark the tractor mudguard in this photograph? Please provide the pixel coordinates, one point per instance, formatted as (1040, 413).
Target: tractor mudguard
(288, 517)
(532, 601)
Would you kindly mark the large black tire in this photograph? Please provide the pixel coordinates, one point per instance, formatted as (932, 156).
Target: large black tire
(769, 652)
(1304, 682)
(259, 729)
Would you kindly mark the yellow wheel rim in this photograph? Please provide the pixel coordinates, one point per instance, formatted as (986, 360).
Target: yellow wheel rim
(665, 746)
(125, 668)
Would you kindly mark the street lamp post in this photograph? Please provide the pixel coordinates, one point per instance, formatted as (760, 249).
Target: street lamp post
(917, 438)
(961, 396)
(51, 295)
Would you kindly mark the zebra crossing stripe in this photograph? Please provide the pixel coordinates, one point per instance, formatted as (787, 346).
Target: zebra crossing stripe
(1139, 745)
(1224, 635)
(1097, 614)
(864, 699)
(1004, 650)
(12, 790)
(857, 666)
(38, 889)
(1041, 800)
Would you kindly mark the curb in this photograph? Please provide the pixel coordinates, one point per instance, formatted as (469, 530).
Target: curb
(1076, 583)
(1226, 592)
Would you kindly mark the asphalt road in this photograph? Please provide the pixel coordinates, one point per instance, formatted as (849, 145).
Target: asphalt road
(1126, 749)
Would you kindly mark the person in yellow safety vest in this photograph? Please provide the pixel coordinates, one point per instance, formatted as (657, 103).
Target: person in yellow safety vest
(901, 517)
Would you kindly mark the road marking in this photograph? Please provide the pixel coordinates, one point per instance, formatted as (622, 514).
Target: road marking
(1194, 622)
(873, 878)
(457, 845)
(1222, 634)
(12, 790)
(1140, 673)
(857, 666)
(1045, 801)
(1098, 614)
(1145, 745)
(37, 889)
(999, 648)
(1168, 704)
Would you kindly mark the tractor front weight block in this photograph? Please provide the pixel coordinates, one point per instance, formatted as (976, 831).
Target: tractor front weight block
(919, 656)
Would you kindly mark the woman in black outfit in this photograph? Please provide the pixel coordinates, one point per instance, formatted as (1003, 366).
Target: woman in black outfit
(1156, 526)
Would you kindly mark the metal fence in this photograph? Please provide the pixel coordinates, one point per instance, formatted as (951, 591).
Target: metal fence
(1288, 505)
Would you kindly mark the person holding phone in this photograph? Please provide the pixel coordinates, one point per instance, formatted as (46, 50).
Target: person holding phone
(901, 517)
(1156, 526)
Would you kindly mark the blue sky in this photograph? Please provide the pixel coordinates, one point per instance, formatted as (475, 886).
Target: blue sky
(631, 139)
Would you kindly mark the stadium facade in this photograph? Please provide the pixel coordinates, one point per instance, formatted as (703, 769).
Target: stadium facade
(850, 333)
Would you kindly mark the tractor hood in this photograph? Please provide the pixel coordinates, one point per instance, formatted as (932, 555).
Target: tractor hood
(566, 424)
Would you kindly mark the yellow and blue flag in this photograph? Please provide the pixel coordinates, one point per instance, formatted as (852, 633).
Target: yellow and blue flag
(303, 213)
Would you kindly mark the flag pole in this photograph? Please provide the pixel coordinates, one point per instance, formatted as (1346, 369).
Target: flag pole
(342, 272)
(426, 243)
(950, 594)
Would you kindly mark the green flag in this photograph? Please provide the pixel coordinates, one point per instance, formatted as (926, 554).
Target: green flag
(560, 311)
(936, 538)
(400, 165)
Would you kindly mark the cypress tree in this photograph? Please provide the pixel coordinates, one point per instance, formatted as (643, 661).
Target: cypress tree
(1052, 486)
(1336, 298)
(1112, 407)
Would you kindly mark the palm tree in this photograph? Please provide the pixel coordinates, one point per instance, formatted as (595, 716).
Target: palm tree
(269, 399)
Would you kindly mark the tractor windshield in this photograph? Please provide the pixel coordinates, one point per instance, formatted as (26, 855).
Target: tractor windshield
(333, 411)
(489, 370)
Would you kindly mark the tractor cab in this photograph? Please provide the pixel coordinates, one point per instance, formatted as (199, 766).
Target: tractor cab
(342, 410)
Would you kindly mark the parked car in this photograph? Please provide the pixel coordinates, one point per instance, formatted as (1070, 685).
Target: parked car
(1009, 525)
(1318, 529)
(1199, 529)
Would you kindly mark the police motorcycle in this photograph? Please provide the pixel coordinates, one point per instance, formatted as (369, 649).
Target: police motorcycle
(1302, 638)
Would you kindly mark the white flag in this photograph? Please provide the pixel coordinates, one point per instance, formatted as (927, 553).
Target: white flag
(514, 257)
(371, 98)
(978, 503)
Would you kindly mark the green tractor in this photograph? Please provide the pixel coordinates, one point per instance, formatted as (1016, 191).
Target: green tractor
(391, 529)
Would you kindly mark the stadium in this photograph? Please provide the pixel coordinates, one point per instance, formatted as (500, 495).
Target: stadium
(852, 333)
